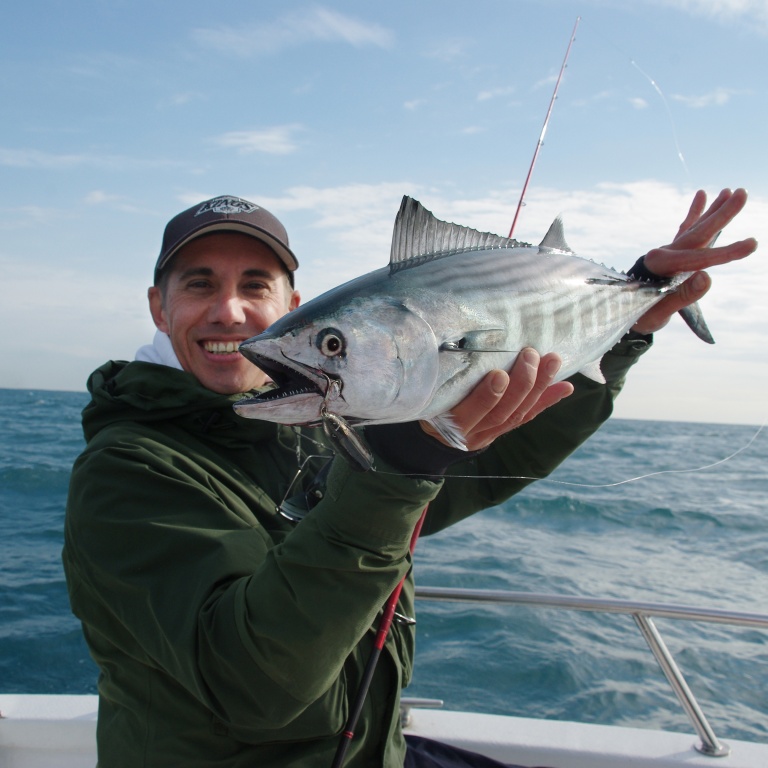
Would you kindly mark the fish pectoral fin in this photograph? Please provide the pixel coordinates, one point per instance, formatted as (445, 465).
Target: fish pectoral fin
(481, 340)
(592, 371)
(446, 427)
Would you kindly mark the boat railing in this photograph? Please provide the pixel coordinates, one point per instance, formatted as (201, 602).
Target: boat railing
(643, 614)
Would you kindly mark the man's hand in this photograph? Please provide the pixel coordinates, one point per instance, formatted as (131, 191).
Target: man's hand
(501, 401)
(690, 251)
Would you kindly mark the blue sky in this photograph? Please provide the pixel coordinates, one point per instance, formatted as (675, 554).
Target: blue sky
(119, 114)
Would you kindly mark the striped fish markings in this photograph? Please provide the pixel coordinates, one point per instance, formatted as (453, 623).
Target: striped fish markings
(409, 341)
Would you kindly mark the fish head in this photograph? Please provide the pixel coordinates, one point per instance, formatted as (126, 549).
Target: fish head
(368, 359)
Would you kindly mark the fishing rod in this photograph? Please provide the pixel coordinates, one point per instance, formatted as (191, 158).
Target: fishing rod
(381, 635)
(544, 127)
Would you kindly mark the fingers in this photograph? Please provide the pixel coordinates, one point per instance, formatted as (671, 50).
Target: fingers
(689, 292)
(702, 230)
(500, 396)
(694, 212)
(501, 401)
(516, 405)
(669, 260)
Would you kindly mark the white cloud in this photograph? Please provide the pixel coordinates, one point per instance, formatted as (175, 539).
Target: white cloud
(98, 197)
(294, 29)
(448, 50)
(52, 161)
(35, 158)
(28, 216)
(493, 93)
(277, 140)
(752, 12)
(638, 103)
(545, 82)
(717, 98)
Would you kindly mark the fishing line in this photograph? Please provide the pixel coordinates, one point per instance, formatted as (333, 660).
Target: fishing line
(689, 470)
(669, 114)
(656, 87)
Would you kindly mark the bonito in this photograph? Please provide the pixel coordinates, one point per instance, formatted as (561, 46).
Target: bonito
(411, 340)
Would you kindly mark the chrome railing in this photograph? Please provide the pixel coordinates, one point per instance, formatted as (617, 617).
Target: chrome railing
(642, 613)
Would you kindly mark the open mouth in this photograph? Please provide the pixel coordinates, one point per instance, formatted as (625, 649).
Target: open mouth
(289, 381)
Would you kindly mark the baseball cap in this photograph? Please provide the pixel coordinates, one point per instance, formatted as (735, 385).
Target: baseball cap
(225, 214)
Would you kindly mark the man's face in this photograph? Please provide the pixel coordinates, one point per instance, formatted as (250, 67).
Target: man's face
(222, 289)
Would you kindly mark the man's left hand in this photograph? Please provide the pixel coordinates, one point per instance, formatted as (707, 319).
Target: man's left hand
(690, 251)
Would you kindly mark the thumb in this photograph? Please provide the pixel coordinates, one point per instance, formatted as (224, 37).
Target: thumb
(693, 289)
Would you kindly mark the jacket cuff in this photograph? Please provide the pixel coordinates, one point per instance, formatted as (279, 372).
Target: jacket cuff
(408, 448)
(640, 272)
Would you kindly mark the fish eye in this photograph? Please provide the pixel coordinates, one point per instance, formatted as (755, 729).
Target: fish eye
(330, 342)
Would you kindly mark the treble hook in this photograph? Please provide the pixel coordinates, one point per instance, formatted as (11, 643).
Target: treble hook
(344, 438)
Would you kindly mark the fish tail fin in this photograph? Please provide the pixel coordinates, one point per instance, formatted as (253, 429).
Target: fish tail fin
(692, 314)
(694, 319)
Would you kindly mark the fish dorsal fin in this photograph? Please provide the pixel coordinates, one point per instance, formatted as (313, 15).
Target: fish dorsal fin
(554, 240)
(420, 236)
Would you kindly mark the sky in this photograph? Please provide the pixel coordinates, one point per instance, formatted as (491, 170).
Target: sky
(117, 115)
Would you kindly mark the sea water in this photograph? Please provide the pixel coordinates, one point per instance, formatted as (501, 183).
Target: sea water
(692, 530)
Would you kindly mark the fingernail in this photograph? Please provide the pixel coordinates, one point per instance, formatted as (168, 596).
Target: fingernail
(530, 356)
(553, 366)
(699, 282)
(499, 381)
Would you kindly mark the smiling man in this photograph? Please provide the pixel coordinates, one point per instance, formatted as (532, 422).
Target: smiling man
(224, 274)
(208, 305)
(227, 633)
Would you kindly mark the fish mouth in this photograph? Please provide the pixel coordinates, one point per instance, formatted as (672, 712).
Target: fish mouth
(297, 386)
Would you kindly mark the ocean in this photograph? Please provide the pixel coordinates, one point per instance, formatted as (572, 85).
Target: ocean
(692, 529)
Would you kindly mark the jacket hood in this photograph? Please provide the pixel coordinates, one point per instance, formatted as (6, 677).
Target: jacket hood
(148, 392)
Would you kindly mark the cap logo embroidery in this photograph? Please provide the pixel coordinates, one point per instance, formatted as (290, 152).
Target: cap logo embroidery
(227, 205)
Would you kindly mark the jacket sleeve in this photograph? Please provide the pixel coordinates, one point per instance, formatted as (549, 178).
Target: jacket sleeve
(537, 448)
(168, 567)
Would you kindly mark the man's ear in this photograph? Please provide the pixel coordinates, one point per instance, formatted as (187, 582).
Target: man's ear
(295, 301)
(155, 296)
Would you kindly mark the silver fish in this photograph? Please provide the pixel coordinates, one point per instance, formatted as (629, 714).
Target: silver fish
(411, 340)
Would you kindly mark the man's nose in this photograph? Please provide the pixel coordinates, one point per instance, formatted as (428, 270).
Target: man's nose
(228, 309)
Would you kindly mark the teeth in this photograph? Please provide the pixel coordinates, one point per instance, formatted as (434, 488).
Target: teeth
(221, 347)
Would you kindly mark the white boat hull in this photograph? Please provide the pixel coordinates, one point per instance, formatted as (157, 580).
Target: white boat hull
(41, 731)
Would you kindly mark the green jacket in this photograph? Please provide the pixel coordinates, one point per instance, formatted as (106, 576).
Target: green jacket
(225, 634)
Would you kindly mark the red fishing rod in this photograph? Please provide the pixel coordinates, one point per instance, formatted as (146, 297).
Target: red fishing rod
(381, 635)
(544, 127)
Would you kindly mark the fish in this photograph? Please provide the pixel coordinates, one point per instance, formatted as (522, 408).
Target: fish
(410, 340)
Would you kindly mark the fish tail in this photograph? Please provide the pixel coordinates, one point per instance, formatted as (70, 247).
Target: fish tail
(692, 314)
(694, 319)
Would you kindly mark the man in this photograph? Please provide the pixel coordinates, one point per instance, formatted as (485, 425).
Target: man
(227, 634)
